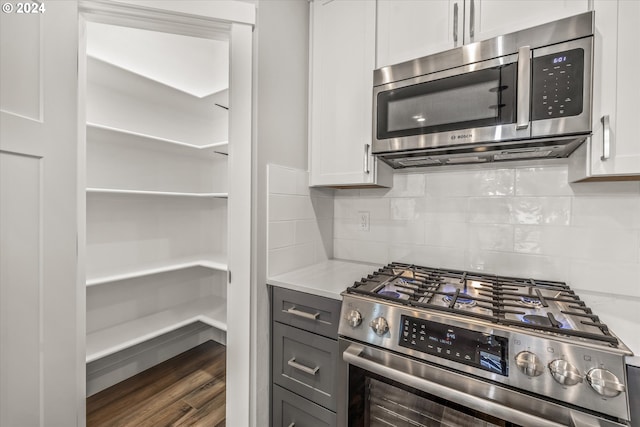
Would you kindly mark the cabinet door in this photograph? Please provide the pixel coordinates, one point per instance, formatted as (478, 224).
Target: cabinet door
(616, 93)
(409, 29)
(491, 18)
(342, 63)
(619, 89)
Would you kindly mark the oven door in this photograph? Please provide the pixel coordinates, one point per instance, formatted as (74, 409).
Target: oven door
(386, 389)
(479, 102)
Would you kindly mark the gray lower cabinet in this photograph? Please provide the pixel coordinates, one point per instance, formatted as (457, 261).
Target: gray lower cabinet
(289, 409)
(308, 377)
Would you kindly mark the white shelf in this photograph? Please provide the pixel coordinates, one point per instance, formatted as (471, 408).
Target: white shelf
(210, 310)
(95, 190)
(212, 262)
(221, 147)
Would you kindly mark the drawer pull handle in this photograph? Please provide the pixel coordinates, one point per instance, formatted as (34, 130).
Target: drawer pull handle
(311, 371)
(292, 425)
(304, 314)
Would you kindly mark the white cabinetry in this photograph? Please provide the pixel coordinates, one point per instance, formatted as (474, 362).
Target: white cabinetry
(409, 29)
(613, 151)
(341, 79)
(156, 209)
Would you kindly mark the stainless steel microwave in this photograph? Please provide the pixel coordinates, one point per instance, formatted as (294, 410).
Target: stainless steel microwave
(519, 96)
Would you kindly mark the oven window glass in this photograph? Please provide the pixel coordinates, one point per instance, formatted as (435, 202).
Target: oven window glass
(475, 99)
(375, 401)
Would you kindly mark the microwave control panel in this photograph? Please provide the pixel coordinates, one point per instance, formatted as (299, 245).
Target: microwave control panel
(558, 81)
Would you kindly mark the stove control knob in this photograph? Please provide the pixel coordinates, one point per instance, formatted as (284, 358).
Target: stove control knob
(529, 364)
(564, 372)
(354, 318)
(605, 382)
(379, 326)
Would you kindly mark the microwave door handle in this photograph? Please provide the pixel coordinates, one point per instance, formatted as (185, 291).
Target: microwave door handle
(524, 87)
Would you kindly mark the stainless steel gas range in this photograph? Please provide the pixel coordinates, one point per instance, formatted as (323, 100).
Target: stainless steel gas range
(428, 346)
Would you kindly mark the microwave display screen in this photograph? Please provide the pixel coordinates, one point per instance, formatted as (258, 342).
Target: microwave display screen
(558, 85)
(480, 98)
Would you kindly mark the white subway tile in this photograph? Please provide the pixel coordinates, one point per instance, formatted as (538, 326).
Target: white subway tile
(604, 245)
(281, 234)
(357, 250)
(606, 212)
(378, 208)
(607, 277)
(408, 208)
(408, 185)
(496, 210)
(323, 207)
(613, 189)
(449, 209)
(326, 239)
(543, 240)
(491, 237)
(446, 234)
(282, 180)
(290, 258)
(486, 182)
(302, 183)
(519, 265)
(543, 181)
(285, 207)
(405, 232)
(350, 229)
(306, 231)
(541, 210)
(429, 256)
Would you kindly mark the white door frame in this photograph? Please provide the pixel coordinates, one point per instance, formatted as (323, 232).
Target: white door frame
(221, 20)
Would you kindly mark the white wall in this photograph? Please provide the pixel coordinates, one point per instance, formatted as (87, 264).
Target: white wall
(281, 49)
(512, 220)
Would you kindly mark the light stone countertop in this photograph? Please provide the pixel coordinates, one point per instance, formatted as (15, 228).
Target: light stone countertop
(326, 279)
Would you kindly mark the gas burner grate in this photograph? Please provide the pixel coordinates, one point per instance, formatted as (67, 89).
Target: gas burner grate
(503, 300)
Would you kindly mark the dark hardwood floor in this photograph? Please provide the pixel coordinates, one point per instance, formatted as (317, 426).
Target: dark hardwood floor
(187, 390)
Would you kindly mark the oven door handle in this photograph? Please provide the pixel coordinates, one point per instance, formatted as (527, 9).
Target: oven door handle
(352, 355)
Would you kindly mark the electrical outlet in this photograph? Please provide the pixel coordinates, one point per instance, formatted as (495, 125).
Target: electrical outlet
(363, 219)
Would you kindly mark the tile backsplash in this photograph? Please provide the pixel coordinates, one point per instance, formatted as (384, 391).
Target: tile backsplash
(300, 221)
(521, 221)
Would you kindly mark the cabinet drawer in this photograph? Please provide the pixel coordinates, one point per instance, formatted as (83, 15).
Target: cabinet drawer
(289, 409)
(306, 364)
(305, 311)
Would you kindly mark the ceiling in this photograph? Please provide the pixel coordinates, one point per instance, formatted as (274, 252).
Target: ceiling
(199, 67)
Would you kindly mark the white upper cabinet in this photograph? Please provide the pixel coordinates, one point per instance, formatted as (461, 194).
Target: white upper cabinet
(409, 29)
(341, 78)
(491, 18)
(613, 151)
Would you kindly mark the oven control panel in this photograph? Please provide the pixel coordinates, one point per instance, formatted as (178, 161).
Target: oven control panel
(480, 350)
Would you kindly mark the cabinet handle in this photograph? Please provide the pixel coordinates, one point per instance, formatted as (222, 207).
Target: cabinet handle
(606, 138)
(455, 22)
(524, 86)
(292, 425)
(304, 314)
(366, 158)
(311, 371)
(472, 20)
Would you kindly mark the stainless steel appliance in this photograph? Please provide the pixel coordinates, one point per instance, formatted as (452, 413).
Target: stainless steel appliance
(428, 346)
(522, 95)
